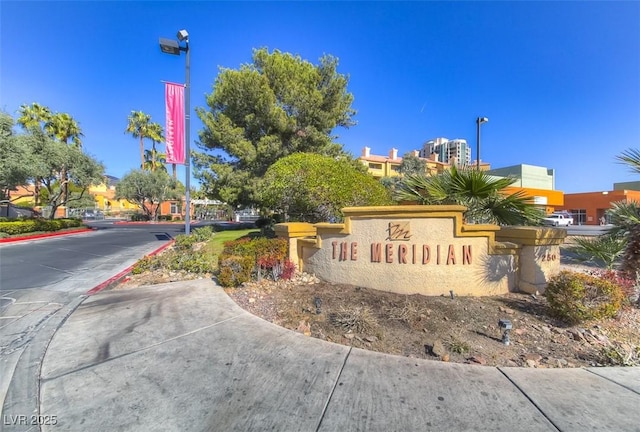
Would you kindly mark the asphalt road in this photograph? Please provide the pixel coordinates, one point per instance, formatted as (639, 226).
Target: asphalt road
(46, 262)
(41, 283)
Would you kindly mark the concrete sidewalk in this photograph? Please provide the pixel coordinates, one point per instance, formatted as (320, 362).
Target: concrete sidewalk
(184, 357)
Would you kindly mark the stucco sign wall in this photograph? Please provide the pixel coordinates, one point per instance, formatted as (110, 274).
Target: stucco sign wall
(409, 249)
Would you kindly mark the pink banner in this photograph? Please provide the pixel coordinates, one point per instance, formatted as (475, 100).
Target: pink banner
(174, 129)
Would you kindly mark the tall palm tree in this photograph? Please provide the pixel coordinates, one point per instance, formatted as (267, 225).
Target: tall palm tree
(477, 190)
(34, 118)
(138, 127)
(64, 128)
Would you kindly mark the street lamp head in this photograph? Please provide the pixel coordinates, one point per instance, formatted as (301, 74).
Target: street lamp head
(183, 35)
(482, 120)
(169, 46)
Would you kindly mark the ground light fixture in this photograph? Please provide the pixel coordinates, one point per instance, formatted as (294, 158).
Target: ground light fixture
(479, 121)
(506, 326)
(170, 46)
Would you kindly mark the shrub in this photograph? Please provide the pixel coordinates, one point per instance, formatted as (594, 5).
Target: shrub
(148, 263)
(139, 217)
(316, 188)
(33, 225)
(267, 256)
(235, 270)
(203, 233)
(630, 287)
(576, 297)
(184, 243)
(165, 217)
(604, 249)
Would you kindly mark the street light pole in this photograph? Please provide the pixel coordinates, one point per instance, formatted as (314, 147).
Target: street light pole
(187, 125)
(169, 46)
(479, 121)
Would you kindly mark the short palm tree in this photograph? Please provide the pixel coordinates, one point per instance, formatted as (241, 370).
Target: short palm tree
(155, 135)
(154, 161)
(478, 191)
(625, 218)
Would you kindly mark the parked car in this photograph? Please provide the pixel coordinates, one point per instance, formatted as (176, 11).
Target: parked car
(92, 214)
(557, 219)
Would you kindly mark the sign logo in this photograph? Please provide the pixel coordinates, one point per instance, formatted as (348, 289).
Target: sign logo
(399, 231)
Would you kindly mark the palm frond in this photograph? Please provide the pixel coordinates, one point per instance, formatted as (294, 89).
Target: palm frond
(631, 158)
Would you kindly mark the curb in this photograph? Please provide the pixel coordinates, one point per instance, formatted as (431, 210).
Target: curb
(45, 235)
(114, 280)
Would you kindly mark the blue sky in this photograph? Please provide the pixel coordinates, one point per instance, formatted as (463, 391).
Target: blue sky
(559, 81)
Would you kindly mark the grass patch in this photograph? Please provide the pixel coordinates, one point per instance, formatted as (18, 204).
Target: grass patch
(215, 245)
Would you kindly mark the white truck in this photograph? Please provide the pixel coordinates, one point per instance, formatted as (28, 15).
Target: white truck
(558, 220)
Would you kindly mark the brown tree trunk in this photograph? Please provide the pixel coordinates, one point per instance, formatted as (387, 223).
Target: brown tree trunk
(141, 154)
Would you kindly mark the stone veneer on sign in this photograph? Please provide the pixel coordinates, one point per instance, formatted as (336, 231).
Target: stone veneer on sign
(424, 250)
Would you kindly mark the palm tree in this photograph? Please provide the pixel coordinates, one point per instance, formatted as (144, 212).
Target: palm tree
(64, 127)
(477, 190)
(625, 220)
(154, 160)
(138, 127)
(631, 158)
(34, 116)
(34, 119)
(156, 135)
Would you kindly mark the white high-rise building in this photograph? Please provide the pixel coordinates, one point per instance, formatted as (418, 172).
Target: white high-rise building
(455, 152)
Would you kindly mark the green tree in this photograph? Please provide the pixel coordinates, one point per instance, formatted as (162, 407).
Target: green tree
(311, 187)
(141, 127)
(63, 127)
(148, 189)
(15, 158)
(278, 105)
(479, 192)
(42, 123)
(81, 170)
(154, 160)
(34, 119)
(412, 164)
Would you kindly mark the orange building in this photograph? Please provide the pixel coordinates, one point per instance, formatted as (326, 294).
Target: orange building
(588, 208)
(547, 199)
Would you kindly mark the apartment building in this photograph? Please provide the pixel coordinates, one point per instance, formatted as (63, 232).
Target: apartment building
(389, 165)
(454, 152)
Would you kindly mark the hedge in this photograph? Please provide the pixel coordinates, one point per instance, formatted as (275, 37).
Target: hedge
(36, 225)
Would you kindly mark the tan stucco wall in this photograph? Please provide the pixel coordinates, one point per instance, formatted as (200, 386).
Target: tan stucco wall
(539, 254)
(501, 259)
(486, 274)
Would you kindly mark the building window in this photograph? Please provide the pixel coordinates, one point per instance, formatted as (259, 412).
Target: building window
(395, 168)
(175, 208)
(375, 166)
(579, 216)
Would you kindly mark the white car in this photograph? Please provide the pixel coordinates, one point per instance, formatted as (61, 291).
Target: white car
(558, 220)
